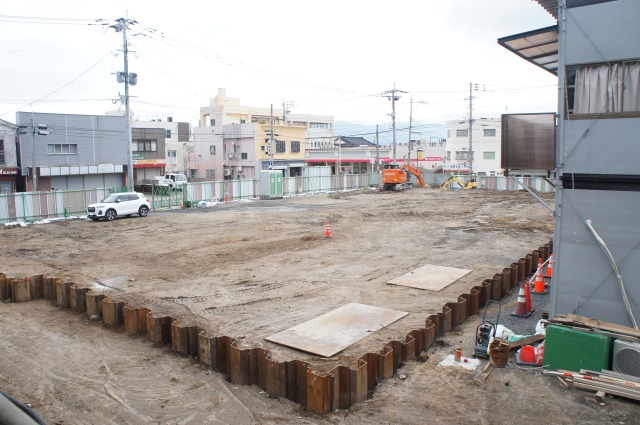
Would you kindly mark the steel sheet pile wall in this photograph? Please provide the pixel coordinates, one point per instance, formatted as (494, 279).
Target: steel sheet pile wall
(296, 380)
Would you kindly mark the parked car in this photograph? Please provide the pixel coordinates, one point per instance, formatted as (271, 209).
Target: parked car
(173, 181)
(119, 204)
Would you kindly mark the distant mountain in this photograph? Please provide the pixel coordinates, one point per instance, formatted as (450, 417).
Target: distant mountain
(419, 130)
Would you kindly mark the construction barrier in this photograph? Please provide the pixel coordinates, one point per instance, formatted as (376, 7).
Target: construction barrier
(295, 380)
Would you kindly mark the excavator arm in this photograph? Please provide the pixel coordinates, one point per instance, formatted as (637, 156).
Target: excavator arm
(415, 171)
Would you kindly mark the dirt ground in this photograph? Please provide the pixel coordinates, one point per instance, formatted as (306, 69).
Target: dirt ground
(253, 268)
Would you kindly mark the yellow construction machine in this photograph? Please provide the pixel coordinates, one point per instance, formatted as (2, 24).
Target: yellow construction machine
(454, 182)
(396, 177)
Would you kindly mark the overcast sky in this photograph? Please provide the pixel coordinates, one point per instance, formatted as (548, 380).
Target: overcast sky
(330, 57)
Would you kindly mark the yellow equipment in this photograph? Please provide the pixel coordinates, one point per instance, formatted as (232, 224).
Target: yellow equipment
(454, 182)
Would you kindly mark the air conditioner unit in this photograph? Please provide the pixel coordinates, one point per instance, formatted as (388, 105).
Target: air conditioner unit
(626, 357)
(231, 156)
(228, 172)
(239, 168)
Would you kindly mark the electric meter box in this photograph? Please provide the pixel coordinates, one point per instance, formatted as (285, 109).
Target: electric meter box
(570, 349)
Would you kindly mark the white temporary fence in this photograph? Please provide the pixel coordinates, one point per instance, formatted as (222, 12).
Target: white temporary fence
(537, 184)
(33, 206)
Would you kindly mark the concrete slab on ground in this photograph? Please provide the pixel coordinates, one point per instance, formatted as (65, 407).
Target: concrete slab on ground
(430, 277)
(332, 332)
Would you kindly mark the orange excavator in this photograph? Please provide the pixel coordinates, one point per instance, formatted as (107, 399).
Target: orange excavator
(396, 177)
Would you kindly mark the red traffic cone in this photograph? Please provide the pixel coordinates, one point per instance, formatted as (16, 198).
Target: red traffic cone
(327, 231)
(226, 198)
(538, 287)
(521, 306)
(550, 267)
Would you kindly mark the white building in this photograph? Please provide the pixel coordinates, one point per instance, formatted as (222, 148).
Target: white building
(484, 140)
(424, 153)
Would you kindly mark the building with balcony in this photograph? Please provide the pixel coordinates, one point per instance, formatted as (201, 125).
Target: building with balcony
(177, 145)
(595, 53)
(227, 128)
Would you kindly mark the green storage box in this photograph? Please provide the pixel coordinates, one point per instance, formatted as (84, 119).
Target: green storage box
(569, 349)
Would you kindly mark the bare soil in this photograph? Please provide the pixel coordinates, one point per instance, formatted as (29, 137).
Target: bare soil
(250, 269)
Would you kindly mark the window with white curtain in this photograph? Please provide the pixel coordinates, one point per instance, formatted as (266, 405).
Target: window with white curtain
(604, 88)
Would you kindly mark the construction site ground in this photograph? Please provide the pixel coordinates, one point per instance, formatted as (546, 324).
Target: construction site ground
(249, 269)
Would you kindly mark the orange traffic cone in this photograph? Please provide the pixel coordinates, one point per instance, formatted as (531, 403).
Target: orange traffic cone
(550, 267)
(226, 198)
(521, 306)
(327, 231)
(527, 295)
(538, 287)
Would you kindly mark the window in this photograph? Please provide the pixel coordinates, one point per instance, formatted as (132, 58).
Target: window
(167, 134)
(281, 146)
(1, 152)
(145, 146)
(211, 174)
(462, 155)
(295, 146)
(448, 134)
(212, 149)
(488, 155)
(212, 122)
(236, 148)
(244, 155)
(605, 88)
(489, 132)
(262, 148)
(62, 149)
(171, 154)
(462, 133)
(242, 121)
(193, 173)
(448, 155)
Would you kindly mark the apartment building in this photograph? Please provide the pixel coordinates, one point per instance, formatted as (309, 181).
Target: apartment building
(595, 53)
(227, 128)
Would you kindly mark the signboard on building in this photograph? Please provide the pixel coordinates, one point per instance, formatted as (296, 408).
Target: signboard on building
(8, 171)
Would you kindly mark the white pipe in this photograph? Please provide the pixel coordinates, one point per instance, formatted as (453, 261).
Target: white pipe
(612, 261)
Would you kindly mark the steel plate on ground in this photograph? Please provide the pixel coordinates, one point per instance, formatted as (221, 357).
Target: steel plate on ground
(430, 277)
(329, 334)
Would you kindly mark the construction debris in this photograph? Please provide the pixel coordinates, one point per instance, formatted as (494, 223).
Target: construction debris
(602, 383)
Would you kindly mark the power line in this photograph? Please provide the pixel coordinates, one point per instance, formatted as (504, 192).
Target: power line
(59, 88)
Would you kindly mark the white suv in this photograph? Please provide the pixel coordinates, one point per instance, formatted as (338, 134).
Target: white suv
(119, 204)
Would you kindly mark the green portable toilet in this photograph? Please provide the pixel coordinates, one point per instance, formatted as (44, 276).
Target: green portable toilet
(271, 184)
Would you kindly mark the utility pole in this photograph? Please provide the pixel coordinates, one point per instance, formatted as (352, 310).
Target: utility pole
(43, 130)
(470, 128)
(410, 119)
(33, 154)
(391, 95)
(377, 151)
(271, 138)
(127, 78)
